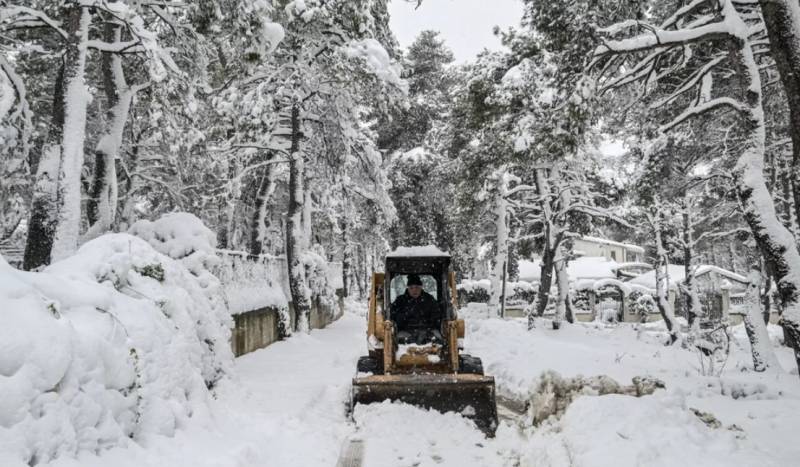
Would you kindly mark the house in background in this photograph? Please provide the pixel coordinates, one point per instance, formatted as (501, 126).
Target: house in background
(609, 249)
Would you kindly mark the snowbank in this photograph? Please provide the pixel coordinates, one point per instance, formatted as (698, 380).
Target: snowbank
(116, 343)
(658, 430)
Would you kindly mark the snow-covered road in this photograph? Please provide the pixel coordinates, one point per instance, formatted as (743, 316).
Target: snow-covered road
(285, 407)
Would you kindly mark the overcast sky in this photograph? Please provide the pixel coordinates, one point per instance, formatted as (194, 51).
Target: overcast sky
(466, 25)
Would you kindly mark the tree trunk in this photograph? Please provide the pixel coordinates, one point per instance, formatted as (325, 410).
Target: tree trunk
(56, 207)
(345, 244)
(562, 280)
(501, 243)
(545, 282)
(782, 18)
(763, 356)
(266, 188)
(776, 243)
(102, 205)
(298, 287)
(662, 283)
(552, 240)
(691, 301)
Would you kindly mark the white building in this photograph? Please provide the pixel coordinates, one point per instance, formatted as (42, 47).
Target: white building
(609, 249)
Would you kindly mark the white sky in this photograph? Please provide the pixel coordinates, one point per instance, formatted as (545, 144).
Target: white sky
(465, 25)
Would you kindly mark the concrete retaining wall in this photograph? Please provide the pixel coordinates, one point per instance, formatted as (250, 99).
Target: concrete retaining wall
(257, 329)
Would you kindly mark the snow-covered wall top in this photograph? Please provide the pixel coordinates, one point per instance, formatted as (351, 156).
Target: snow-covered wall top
(677, 274)
(417, 251)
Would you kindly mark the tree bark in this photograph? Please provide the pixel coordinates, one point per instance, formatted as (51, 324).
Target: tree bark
(298, 287)
(776, 243)
(782, 18)
(690, 300)
(562, 280)
(763, 356)
(266, 188)
(662, 281)
(552, 241)
(501, 243)
(102, 205)
(55, 212)
(345, 244)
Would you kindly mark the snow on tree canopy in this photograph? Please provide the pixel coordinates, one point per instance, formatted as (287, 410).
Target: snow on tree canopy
(377, 59)
(417, 251)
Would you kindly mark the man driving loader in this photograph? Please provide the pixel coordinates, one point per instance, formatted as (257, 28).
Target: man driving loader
(416, 314)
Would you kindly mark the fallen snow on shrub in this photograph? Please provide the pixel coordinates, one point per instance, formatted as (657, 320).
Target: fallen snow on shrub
(117, 342)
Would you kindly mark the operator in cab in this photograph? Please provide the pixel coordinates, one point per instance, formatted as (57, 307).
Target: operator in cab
(416, 314)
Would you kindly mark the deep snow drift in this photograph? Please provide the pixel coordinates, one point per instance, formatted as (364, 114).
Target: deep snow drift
(116, 343)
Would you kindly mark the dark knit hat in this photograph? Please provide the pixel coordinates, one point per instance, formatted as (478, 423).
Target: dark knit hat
(413, 279)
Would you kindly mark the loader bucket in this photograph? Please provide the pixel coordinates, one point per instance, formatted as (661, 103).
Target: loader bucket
(470, 395)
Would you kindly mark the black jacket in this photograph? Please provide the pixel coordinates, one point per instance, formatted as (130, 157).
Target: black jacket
(415, 313)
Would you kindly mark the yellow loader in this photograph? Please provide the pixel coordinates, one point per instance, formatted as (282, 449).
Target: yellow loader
(423, 367)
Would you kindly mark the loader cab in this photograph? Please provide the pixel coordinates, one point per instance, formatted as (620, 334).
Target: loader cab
(434, 270)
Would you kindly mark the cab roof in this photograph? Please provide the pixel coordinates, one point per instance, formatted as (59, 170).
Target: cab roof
(428, 251)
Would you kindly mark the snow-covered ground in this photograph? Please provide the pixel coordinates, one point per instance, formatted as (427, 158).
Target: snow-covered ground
(653, 430)
(285, 406)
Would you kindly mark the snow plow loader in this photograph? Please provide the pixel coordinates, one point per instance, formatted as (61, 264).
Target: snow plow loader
(420, 362)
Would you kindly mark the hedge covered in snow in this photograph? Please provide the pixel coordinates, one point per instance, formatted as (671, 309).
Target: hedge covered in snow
(120, 341)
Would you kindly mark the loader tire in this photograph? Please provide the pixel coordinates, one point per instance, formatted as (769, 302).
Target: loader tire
(467, 364)
(369, 365)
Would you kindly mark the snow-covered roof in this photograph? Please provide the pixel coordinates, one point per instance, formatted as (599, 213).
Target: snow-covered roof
(419, 251)
(605, 241)
(585, 267)
(677, 274)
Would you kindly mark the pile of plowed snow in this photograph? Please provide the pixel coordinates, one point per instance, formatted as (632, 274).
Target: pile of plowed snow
(118, 342)
(737, 417)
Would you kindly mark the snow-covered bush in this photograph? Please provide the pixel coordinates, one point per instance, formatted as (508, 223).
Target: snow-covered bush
(470, 291)
(183, 237)
(521, 293)
(115, 343)
(478, 291)
(641, 304)
(319, 280)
